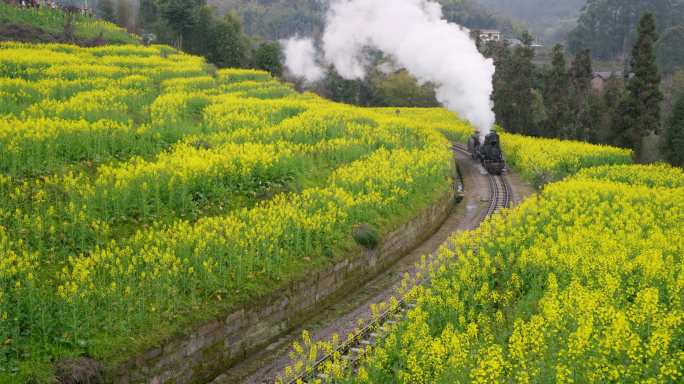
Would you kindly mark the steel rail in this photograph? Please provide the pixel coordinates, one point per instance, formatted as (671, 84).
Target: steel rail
(352, 348)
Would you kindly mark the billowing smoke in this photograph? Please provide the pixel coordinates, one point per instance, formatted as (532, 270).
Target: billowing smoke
(300, 59)
(413, 34)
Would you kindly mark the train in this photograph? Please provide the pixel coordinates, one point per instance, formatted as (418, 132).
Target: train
(488, 153)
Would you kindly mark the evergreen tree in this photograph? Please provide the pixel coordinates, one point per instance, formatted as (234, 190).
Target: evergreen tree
(200, 38)
(673, 144)
(581, 74)
(621, 122)
(513, 85)
(556, 95)
(180, 17)
(502, 93)
(268, 58)
(522, 86)
(228, 45)
(613, 95)
(593, 129)
(606, 26)
(643, 107)
(670, 50)
(147, 14)
(105, 10)
(539, 114)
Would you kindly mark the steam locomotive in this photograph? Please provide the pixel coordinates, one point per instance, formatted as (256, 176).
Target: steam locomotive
(488, 153)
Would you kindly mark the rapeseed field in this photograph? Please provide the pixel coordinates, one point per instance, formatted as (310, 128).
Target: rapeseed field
(580, 284)
(144, 192)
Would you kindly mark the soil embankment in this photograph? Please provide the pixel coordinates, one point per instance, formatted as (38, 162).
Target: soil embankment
(25, 33)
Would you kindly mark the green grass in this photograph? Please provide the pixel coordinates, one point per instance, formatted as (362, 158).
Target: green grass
(52, 21)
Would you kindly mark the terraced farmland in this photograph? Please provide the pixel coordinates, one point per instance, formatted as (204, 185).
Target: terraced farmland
(145, 193)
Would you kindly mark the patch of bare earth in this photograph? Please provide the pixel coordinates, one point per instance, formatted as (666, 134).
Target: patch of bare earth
(80, 370)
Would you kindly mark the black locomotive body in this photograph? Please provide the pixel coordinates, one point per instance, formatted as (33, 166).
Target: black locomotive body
(488, 153)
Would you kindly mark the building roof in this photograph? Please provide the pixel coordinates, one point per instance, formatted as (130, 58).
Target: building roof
(607, 75)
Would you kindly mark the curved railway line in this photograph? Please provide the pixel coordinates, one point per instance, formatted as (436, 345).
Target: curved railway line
(500, 197)
(499, 188)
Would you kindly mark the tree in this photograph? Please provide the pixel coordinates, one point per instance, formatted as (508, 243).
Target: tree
(670, 50)
(342, 90)
(581, 71)
(277, 19)
(195, 28)
(606, 26)
(522, 83)
(228, 45)
(124, 15)
(673, 145)
(200, 39)
(476, 35)
(622, 120)
(581, 74)
(613, 95)
(539, 114)
(105, 10)
(147, 14)
(556, 95)
(268, 58)
(180, 16)
(502, 93)
(400, 89)
(670, 57)
(593, 130)
(644, 87)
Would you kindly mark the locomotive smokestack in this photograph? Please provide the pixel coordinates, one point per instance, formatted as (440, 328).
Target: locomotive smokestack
(415, 36)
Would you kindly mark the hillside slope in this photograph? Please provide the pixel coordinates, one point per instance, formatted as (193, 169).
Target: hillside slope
(279, 19)
(147, 193)
(52, 26)
(549, 19)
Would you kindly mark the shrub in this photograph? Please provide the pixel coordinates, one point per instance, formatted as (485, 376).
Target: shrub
(365, 235)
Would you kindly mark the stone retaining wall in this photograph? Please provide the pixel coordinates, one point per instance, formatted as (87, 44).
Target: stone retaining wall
(211, 349)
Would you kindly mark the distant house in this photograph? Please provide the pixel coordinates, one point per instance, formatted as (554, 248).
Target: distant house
(599, 79)
(513, 42)
(487, 35)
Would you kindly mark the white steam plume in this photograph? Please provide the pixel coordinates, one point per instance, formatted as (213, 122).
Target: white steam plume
(300, 59)
(417, 38)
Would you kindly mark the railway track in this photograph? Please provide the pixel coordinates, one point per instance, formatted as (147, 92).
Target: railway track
(499, 188)
(353, 348)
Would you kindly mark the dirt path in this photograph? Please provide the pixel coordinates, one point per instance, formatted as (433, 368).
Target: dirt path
(342, 317)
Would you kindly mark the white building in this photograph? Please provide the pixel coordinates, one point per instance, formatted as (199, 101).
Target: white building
(487, 35)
